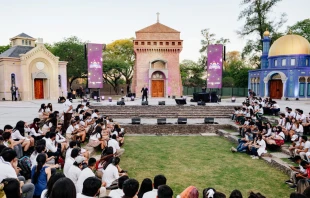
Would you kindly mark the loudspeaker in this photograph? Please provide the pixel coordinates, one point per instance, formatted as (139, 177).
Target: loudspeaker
(161, 103)
(120, 103)
(202, 103)
(182, 120)
(135, 120)
(144, 103)
(209, 120)
(161, 121)
(180, 101)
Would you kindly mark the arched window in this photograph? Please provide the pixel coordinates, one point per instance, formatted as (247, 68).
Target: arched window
(13, 79)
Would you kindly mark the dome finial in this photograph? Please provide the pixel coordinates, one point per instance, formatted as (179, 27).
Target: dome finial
(266, 33)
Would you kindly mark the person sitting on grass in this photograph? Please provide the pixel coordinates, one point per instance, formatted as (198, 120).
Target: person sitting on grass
(95, 138)
(302, 185)
(158, 180)
(296, 144)
(189, 192)
(276, 139)
(111, 173)
(130, 188)
(258, 147)
(305, 148)
(235, 194)
(118, 193)
(81, 130)
(306, 175)
(76, 169)
(296, 170)
(165, 191)
(117, 151)
(91, 188)
(219, 195)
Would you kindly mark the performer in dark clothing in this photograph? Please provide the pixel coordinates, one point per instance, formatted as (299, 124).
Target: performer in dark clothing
(144, 91)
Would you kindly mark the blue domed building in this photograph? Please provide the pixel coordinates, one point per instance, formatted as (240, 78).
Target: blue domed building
(285, 68)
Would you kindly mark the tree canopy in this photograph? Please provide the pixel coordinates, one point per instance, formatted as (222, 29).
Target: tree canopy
(191, 73)
(72, 50)
(301, 28)
(257, 20)
(3, 48)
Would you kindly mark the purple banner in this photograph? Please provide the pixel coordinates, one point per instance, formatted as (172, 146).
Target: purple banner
(215, 66)
(94, 62)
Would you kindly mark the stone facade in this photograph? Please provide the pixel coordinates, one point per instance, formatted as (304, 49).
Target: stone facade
(27, 62)
(157, 50)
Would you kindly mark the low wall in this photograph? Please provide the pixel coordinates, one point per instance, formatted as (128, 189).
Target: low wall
(173, 129)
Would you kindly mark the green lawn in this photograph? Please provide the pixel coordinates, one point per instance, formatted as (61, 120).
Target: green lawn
(202, 162)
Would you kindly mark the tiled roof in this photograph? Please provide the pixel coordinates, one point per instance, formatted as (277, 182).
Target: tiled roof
(23, 35)
(16, 51)
(157, 28)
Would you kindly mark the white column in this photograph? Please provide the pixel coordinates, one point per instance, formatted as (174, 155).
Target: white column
(284, 88)
(306, 87)
(266, 88)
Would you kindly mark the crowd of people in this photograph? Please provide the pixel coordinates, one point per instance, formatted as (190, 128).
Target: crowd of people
(48, 159)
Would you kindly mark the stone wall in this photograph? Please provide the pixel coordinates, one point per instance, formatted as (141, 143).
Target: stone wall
(172, 129)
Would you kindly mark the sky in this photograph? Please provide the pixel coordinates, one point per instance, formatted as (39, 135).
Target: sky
(103, 21)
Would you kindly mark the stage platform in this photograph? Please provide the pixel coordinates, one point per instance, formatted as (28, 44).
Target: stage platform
(169, 110)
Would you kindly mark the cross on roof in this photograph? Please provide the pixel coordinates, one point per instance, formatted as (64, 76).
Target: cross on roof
(157, 17)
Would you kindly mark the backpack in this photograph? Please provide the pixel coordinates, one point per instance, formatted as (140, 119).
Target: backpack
(24, 164)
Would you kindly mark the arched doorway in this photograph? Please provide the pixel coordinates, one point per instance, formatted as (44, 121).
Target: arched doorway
(275, 86)
(158, 84)
(40, 85)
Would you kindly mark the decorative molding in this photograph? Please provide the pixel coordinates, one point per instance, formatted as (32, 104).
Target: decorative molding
(35, 50)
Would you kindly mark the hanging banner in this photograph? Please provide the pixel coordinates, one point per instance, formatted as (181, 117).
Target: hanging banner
(94, 61)
(215, 66)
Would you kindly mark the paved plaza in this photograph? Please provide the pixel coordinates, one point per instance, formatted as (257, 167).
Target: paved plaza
(11, 112)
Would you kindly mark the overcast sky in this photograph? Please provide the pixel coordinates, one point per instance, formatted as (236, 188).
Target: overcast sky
(104, 21)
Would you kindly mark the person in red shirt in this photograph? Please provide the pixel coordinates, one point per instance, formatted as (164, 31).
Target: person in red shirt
(306, 166)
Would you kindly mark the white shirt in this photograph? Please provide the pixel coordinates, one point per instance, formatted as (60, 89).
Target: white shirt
(70, 129)
(79, 195)
(117, 193)
(74, 174)
(300, 129)
(67, 105)
(60, 138)
(34, 133)
(281, 134)
(262, 148)
(16, 135)
(7, 171)
(150, 194)
(68, 153)
(94, 115)
(50, 145)
(33, 159)
(307, 145)
(68, 163)
(292, 114)
(276, 106)
(43, 194)
(95, 137)
(110, 174)
(261, 110)
(86, 173)
(114, 144)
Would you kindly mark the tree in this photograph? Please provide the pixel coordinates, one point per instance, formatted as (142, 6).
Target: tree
(301, 28)
(257, 20)
(72, 50)
(3, 48)
(191, 73)
(111, 72)
(228, 81)
(122, 50)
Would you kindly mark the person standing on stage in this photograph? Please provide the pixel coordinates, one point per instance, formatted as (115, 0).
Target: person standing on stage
(13, 92)
(67, 114)
(144, 91)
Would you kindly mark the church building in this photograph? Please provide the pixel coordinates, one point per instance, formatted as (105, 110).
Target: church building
(36, 72)
(157, 48)
(285, 68)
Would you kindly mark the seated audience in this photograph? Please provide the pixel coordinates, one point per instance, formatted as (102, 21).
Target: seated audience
(189, 192)
(91, 188)
(165, 191)
(75, 170)
(118, 193)
(11, 188)
(117, 151)
(235, 194)
(54, 178)
(146, 186)
(63, 188)
(158, 180)
(130, 188)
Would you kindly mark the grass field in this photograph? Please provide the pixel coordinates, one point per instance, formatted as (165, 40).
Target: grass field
(202, 162)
